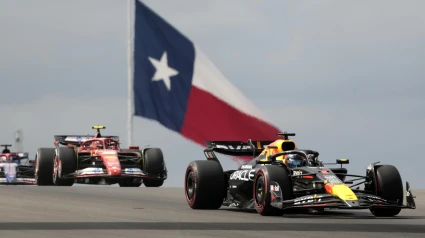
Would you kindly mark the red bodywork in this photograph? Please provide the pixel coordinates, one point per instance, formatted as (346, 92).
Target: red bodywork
(103, 149)
(107, 150)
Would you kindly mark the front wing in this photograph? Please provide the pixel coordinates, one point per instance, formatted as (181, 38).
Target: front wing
(18, 181)
(365, 201)
(103, 173)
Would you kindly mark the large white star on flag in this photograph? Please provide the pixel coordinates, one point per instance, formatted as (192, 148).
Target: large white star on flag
(163, 72)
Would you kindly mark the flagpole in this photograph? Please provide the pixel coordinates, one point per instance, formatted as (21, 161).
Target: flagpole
(130, 102)
(19, 141)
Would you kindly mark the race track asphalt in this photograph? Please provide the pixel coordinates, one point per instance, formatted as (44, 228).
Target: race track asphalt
(107, 211)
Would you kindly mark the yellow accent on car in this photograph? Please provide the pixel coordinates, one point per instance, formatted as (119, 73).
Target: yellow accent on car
(282, 145)
(343, 192)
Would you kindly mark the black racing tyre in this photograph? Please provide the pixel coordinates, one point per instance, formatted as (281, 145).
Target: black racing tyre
(44, 166)
(153, 183)
(129, 183)
(262, 193)
(65, 162)
(154, 165)
(389, 187)
(153, 161)
(204, 185)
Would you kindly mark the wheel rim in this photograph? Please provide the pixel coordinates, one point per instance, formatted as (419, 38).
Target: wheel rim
(36, 168)
(260, 190)
(190, 186)
(55, 170)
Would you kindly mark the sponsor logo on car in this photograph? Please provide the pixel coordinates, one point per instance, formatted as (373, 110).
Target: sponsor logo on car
(244, 175)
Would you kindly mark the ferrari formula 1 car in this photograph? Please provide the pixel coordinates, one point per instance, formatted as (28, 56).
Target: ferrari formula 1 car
(15, 168)
(98, 160)
(271, 185)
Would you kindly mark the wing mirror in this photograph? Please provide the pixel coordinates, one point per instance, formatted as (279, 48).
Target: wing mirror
(342, 161)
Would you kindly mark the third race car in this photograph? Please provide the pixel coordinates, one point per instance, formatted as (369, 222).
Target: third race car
(98, 160)
(282, 177)
(16, 168)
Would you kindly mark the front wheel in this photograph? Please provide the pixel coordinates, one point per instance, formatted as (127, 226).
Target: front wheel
(154, 165)
(65, 162)
(271, 184)
(390, 187)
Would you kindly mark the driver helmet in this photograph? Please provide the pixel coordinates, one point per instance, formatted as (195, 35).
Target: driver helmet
(98, 145)
(3, 158)
(112, 145)
(293, 161)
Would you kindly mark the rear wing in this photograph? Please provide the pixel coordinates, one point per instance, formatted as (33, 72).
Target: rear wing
(23, 155)
(235, 148)
(76, 140)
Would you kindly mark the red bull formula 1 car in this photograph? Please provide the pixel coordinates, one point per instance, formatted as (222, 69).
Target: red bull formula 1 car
(98, 160)
(16, 168)
(282, 177)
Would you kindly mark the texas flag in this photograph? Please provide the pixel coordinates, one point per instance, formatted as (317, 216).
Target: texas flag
(178, 86)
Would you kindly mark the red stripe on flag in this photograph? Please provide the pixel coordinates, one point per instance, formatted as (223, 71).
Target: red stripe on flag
(208, 118)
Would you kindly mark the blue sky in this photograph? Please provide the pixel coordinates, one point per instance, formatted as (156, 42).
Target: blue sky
(346, 77)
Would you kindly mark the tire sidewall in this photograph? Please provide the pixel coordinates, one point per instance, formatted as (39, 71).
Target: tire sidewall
(388, 189)
(37, 167)
(191, 168)
(261, 174)
(43, 170)
(64, 162)
(383, 188)
(57, 170)
(157, 164)
(208, 184)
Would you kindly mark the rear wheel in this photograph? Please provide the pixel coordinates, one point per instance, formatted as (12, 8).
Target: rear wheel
(44, 166)
(153, 183)
(154, 165)
(389, 186)
(204, 185)
(65, 162)
(266, 191)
